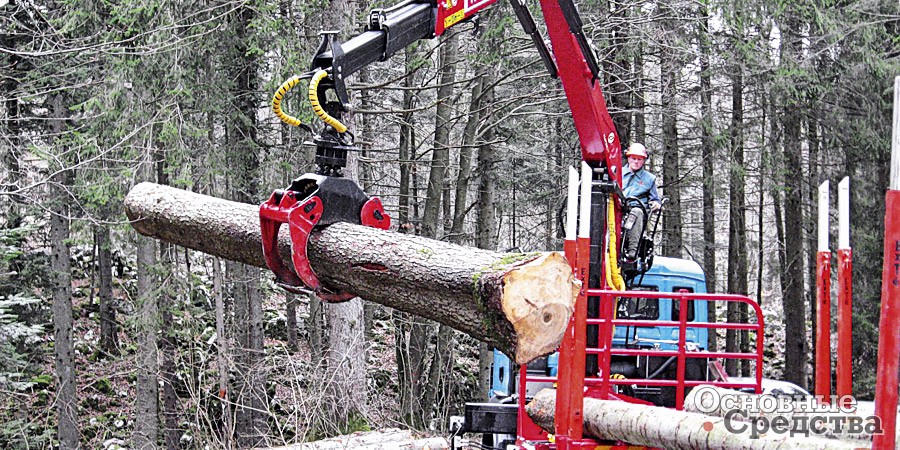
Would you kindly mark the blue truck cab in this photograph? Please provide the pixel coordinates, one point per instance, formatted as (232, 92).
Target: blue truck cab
(666, 275)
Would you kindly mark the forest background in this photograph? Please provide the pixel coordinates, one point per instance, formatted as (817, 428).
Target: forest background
(110, 339)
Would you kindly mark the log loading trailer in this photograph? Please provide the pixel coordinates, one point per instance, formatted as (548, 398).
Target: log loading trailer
(639, 330)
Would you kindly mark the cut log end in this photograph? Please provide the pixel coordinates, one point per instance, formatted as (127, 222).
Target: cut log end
(538, 299)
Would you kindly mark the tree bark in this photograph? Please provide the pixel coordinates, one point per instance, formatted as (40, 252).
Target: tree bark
(61, 286)
(460, 200)
(168, 349)
(166, 339)
(146, 401)
(737, 230)
(486, 224)
(709, 183)
(521, 304)
(440, 154)
(223, 352)
(410, 332)
(796, 346)
(63, 348)
(672, 221)
(346, 362)
(811, 222)
(658, 427)
(640, 121)
(291, 322)
(109, 340)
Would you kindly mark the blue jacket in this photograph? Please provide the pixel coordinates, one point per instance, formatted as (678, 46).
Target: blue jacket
(640, 184)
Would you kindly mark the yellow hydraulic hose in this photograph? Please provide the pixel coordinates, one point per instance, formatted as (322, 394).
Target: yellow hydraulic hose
(317, 108)
(613, 274)
(279, 96)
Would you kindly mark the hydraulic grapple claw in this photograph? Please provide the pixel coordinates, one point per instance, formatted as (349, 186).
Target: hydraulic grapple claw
(311, 201)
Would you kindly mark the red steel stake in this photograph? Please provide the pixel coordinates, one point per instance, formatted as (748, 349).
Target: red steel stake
(845, 293)
(823, 300)
(845, 322)
(889, 327)
(823, 325)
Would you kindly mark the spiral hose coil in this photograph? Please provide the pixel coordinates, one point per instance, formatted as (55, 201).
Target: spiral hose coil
(279, 96)
(317, 107)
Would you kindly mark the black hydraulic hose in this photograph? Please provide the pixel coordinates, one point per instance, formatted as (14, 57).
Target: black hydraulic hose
(659, 369)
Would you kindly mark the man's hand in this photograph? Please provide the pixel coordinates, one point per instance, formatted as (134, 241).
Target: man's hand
(654, 206)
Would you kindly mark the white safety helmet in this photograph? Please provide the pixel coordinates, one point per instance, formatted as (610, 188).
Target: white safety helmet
(636, 149)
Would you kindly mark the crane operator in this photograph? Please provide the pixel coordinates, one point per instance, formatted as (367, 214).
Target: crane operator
(638, 185)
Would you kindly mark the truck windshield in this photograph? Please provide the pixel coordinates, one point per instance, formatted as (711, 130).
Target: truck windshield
(639, 308)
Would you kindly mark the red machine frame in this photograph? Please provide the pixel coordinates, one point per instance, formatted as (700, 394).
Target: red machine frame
(574, 63)
(573, 386)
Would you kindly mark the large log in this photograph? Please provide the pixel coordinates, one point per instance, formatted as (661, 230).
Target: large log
(659, 427)
(746, 407)
(519, 303)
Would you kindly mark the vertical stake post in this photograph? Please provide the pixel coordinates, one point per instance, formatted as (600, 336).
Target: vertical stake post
(566, 348)
(823, 300)
(845, 293)
(889, 327)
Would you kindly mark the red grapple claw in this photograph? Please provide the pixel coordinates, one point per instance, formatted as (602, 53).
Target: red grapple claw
(302, 216)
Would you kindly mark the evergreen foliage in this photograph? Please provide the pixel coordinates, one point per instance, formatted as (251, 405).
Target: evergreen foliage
(96, 96)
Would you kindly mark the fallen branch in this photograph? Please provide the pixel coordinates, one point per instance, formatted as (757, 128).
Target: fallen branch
(519, 303)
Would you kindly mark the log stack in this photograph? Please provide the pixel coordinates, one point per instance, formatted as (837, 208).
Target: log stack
(659, 427)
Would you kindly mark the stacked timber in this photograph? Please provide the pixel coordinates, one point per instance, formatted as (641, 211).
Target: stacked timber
(670, 429)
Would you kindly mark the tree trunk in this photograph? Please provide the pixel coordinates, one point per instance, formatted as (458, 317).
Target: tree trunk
(796, 346)
(737, 230)
(242, 171)
(478, 292)
(250, 424)
(146, 401)
(407, 145)
(811, 225)
(439, 389)
(709, 183)
(486, 224)
(223, 353)
(440, 155)
(109, 338)
(61, 286)
(776, 173)
(640, 121)
(315, 328)
(617, 67)
(346, 362)
(168, 349)
(167, 346)
(460, 201)
(63, 348)
(654, 426)
(410, 331)
(672, 222)
(291, 322)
